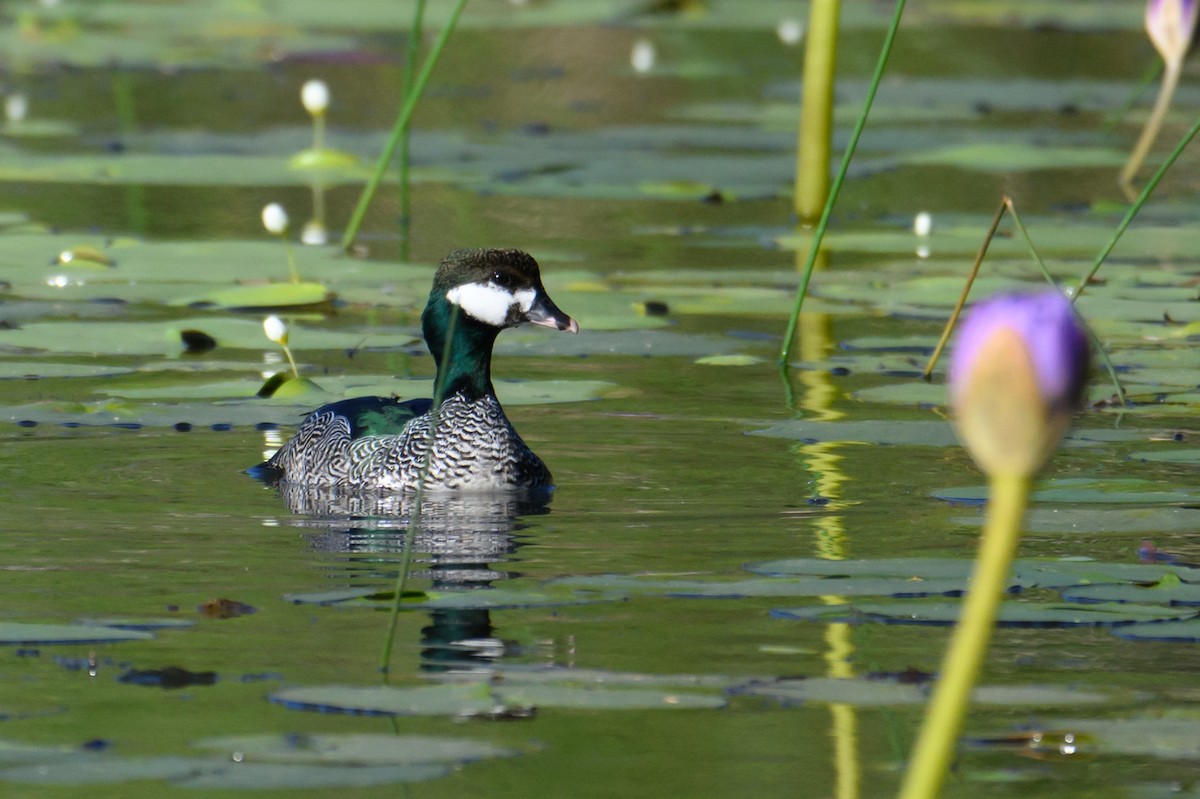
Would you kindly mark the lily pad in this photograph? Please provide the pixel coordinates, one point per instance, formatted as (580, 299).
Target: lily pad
(1166, 737)
(1164, 592)
(772, 587)
(482, 699)
(492, 598)
(12, 632)
(361, 749)
(1011, 614)
(870, 692)
(1182, 631)
(868, 431)
(262, 295)
(1116, 490)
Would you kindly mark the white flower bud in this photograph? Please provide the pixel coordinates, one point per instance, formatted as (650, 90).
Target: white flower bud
(275, 329)
(315, 97)
(274, 219)
(790, 31)
(643, 56)
(923, 224)
(16, 106)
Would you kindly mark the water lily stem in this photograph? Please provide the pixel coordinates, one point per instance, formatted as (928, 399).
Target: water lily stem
(318, 131)
(291, 361)
(1166, 90)
(934, 750)
(400, 127)
(816, 112)
(293, 272)
(819, 234)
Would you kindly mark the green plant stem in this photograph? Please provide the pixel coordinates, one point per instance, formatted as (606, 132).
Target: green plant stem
(1097, 344)
(962, 298)
(1148, 77)
(400, 126)
(293, 272)
(318, 131)
(816, 113)
(934, 750)
(1166, 90)
(404, 160)
(819, 233)
(414, 518)
(1147, 190)
(291, 361)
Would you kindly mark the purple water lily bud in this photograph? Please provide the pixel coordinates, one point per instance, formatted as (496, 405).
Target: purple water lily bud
(1016, 376)
(1170, 25)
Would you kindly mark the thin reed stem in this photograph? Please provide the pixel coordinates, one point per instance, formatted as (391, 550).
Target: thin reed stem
(1147, 190)
(414, 518)
(400, 126)
(962, 298)
(410, 70)
(839, 179)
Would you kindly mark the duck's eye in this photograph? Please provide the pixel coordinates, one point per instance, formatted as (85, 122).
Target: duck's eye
(502, 279)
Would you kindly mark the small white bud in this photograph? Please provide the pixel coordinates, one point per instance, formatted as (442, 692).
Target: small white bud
(274, 218)
(315, 97)
(643, 56)
(16, 106)
(923, 224)
(790, 31)
(275, 329)
(314, 233)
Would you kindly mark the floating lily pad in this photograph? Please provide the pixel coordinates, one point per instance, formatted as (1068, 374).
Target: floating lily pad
(1106, 521)
(140, 624)
(492, 598)
(772, 587)
(1182, 631)
(12, 632)
(1018, 157)
(1164, 592)
(1172, 736)
(1116, 490)
(482, 699)
(355, 749)
(868, 692)
(88, 768)
(262, 295)
(1010, 614)
(868, 431)
(1179, 455)
(299, 776)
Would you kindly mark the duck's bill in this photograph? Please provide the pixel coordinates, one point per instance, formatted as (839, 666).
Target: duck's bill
(545, 313)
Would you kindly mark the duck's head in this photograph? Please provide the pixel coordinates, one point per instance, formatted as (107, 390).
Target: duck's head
(497, 289)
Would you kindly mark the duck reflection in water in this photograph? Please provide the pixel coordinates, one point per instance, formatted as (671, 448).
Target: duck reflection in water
(464, 542)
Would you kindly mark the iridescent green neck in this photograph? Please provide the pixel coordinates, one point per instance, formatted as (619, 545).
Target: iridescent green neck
(467, 368)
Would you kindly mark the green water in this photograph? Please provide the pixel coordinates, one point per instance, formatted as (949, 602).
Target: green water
(538, 134)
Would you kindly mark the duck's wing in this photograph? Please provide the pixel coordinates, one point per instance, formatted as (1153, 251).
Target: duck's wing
(364, 416)
(378, 416)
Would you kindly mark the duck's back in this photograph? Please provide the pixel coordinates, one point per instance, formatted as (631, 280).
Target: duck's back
(380, 443)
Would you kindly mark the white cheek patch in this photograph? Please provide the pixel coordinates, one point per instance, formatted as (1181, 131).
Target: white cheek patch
(525, 298)
(485, 302)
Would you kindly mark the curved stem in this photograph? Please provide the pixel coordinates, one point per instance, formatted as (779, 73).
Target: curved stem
(1007, 497)
(1166, 90)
